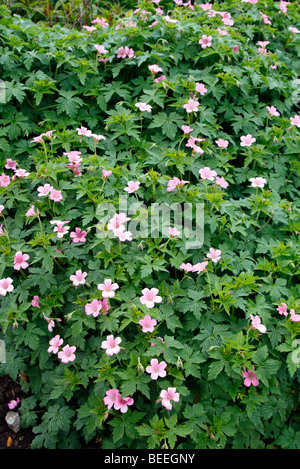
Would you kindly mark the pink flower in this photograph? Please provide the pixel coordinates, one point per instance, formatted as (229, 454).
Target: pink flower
(6, 286)
(35, 301)
(294, 317)
(187, 129)
(111, 345)
(161, 78)
(199, 267)
(106, 173)
(247, 140)
(220, 181)
(294, 121)
(124, 52)
(132, 186)
(283, 6)
(100, 49)
(117, 220)
(292, 29)
(108, 288)
(256, 324)
(60, 227)
(93, 308)
(10, 164)
(222, 143)
(222, 32)
(78, 236)
(21, 173)
(83, 131)
(265, 18)
(89, 29)
(147, 323)
(67, 354)
(31, 212)
(200, 88)
(55, 195)
(78, 278)
(55, 343)
(191, 106)
(205, 41)
(44, 190)
(4, 180)
(101, 21)
(74, 156)
(282, 309)
(50, 322)
(111, 398)
(273, 111)
(144, 107)
(98, 137)
(1, 209)
(236, 49)
(250, 378)
(150, 297)
(167, 396)
(258, 182)
(123, 403)
(173, 231)
(207, 173)
(156, 369)
(13, 403)
(122, 234)
(20, 261)
(214, 255)
(187, 267)
(155, 68)
(175, 183)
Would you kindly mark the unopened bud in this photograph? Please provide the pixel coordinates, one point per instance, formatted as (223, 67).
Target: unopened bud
(179, 363)
(140, 368)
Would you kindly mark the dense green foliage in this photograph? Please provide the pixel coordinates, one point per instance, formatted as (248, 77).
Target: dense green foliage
(52, 79)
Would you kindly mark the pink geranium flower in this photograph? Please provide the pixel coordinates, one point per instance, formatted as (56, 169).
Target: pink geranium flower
(108, 288)
(111, 398)
(55, 343)
(273, 111)
(200, 88)
(155, 68)
(258, 182)
(147, 323)
(294, 317)
(10, 164)
(295, 120)
(221, 182)
(265, 18)
(156, 369)
(191, 106)
(20, 261)
(187, 129)
(214, 254)
(167, 396)
(150, 297)
(247, 140)
(132, 186)
(173, 232)
(111, 345)
(78, 236)
(21, 173)
(4, 180)
(250, 378)
(199, 267)
(67, 354)
(207, 173)
(84, 131)
(60, 227)
(292, 29)
(175, 183)
(93, 308)
(122, 403)
(13, 403)
(6, 286)
(144, 107)
(51, 323)
(205, 41)
(56, 195)
(122, 234)
(43, 191)
(282, 309)
(187, 267)
(35, 301)
(89, 29)
(222, 143)
(1, 209)
(106, 173)
(78, 278)
(100, 49)
(31, 212)
(256, 324)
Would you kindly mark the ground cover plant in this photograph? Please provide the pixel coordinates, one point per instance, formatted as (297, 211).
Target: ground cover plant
(119, 331)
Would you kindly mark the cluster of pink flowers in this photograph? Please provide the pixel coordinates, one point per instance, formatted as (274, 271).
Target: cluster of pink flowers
(176, 183)
(209, 174)
(96, 306)
(114, 399)
(5, 179)
(39, 138)
(192, 143)
(283, 310)
(13, 403)
(214, 255)
(66, 354)
(47, 189)
(116, 225)
(124, 52)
